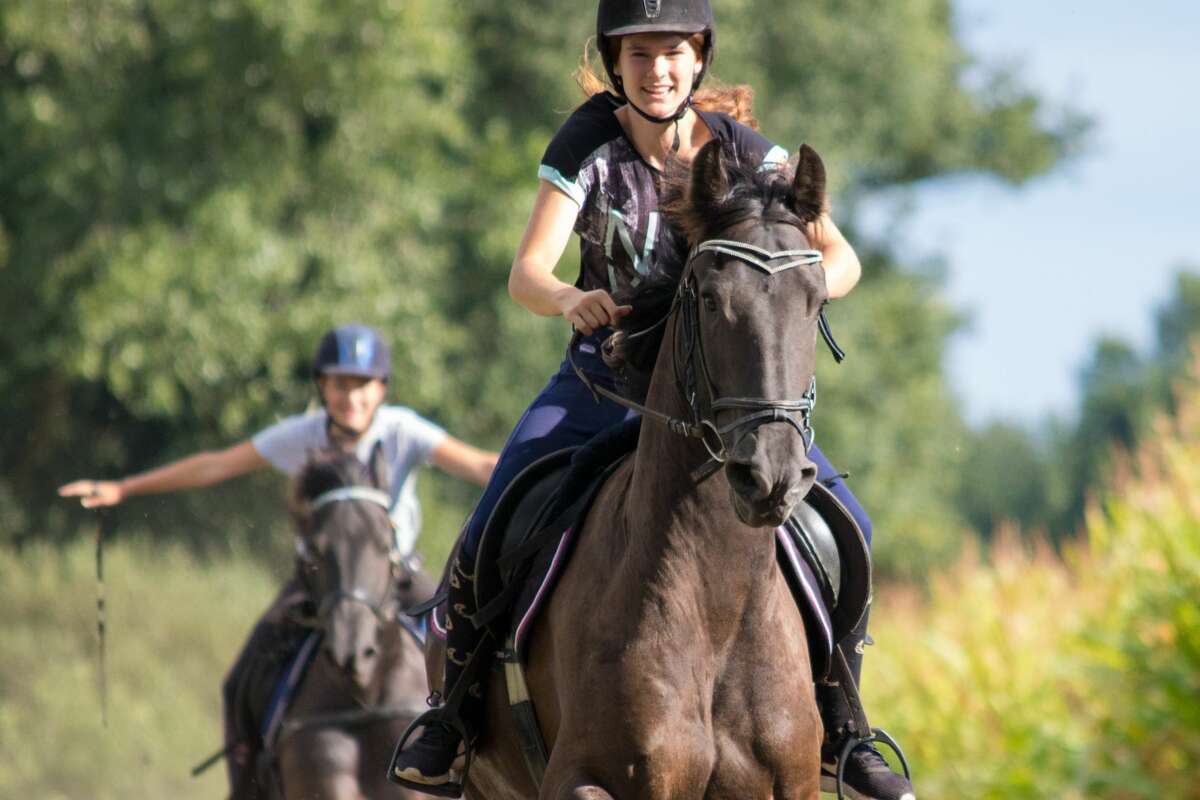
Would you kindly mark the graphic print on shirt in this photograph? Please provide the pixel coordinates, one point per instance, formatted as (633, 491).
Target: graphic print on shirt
(641, 263)
(623, 238)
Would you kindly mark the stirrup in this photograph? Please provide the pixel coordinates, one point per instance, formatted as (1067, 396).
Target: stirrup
(434, 716)
(854, 742)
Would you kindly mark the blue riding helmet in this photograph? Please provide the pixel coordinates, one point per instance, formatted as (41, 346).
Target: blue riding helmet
(353, 350)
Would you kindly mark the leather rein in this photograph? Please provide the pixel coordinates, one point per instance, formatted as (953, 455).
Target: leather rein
(689, 349)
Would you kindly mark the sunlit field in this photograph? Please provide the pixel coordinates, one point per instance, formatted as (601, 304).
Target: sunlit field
(1019, 673)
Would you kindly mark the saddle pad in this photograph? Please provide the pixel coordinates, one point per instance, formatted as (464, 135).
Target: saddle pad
(285, 690)
(805, 590)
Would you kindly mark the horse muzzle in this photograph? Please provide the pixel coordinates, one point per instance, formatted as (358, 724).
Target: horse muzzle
(352, 643)
(764, 489)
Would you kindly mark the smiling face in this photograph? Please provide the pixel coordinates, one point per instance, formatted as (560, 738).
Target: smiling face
(352, 400)
(658, 70)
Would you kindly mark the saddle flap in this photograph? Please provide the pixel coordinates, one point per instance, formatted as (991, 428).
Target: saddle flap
(514, 518)
(853, 570)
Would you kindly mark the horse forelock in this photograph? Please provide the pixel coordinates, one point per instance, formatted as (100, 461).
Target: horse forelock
(325, 471)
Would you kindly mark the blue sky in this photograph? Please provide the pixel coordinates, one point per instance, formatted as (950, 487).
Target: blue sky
(1046, 268)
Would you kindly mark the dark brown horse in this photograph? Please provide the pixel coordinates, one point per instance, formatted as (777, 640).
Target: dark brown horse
(672, 660)
(368, 681)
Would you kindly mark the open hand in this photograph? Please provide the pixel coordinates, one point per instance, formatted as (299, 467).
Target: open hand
(93, 494)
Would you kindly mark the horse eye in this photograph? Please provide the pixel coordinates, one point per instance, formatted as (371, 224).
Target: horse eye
(710, 302)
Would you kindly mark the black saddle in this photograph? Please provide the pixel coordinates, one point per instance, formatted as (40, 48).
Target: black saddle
(525, 531)
(530, 535)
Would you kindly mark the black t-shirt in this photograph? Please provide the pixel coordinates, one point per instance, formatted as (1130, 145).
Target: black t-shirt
(620, 230)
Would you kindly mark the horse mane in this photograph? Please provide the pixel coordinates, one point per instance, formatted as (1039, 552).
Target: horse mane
(754, 193)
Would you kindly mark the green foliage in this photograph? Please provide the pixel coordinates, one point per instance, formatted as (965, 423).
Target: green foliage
(1003, 479)
(886, 416)
(1147, 649)
(1043, 480)
(1035, 676)
(190, 193)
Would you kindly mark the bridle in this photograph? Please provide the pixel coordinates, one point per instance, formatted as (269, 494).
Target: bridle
(356, 594)
(690, 365)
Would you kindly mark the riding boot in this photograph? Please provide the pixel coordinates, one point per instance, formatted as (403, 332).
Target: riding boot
(865, 774)
(426, 763)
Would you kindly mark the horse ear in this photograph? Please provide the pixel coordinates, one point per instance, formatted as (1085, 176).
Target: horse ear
(709, 183)
(379, 468)
(808, 187)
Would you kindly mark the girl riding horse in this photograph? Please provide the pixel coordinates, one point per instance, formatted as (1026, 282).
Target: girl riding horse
(601, 177)
(352, 370)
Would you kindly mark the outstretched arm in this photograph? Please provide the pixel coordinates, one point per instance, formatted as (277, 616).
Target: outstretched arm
(461, 460)
(201, 469)
(842, 268)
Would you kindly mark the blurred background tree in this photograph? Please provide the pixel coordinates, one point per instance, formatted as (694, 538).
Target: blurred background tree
(191, 193)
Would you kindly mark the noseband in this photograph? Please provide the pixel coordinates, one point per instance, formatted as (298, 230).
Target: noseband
(356, 594)
(689, 351)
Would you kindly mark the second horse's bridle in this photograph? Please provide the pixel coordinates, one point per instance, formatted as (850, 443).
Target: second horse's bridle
(355, 594)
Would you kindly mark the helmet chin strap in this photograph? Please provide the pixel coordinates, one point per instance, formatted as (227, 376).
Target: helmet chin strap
(345, 429)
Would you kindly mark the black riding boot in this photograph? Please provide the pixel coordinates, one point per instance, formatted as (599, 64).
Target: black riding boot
(866, 776)
(425, 763)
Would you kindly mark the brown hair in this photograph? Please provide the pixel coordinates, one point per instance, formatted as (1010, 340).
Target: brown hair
(736, 101)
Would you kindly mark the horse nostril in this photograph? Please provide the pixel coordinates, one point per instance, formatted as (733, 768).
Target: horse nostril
(747, 480)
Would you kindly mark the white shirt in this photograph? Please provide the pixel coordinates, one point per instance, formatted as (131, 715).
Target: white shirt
(407, 439)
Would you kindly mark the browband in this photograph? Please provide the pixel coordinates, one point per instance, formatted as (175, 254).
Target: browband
(758, 257)
(379, 498)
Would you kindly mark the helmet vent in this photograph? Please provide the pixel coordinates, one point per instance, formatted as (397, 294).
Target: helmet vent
(653, 8)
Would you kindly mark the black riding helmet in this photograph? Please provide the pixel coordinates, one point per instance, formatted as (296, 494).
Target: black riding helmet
(627, 17)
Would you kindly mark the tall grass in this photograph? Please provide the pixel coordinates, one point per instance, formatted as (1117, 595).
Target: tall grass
(1032, 674)
(174, 624)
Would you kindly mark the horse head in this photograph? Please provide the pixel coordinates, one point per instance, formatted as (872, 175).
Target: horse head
(744, 322)
(345, 551)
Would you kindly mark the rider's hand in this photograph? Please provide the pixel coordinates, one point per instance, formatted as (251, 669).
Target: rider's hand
(94, 494)
(590, 311)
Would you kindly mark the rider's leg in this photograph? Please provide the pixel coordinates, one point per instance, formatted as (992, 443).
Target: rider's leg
(867, 775)
(564, 414)
(239, 709)
(428, 760)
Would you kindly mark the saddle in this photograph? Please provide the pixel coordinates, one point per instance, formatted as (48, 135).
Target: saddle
(531, 533)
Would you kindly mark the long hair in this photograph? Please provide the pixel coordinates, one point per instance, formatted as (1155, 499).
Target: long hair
(736, 101)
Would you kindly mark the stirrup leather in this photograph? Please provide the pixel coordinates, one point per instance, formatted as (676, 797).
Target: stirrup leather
(859, 731)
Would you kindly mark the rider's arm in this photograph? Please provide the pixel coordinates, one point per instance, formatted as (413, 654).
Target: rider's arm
(461, 460)
(201, 469)
(531, 281)
(842, 268)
